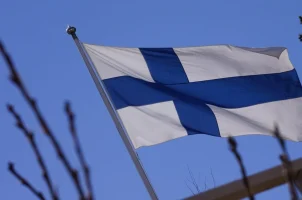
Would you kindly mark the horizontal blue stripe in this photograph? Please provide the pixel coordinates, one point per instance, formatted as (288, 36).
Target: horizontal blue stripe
(164, 65)
(232, 92)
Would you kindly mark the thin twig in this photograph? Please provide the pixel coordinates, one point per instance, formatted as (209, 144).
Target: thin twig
(15, 78)
(300, 35)
(280, 140)
(189, 188)
(76, 141)
(24, 182)
(233, 146)
(213, 179)
(205, 183)
(199, 179)
(284, 157)
(193, 180)
(29, 135)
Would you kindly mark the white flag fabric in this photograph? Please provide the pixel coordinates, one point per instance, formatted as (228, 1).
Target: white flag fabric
(162, 94)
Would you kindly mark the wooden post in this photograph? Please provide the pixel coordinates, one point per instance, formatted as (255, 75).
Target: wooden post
(259, 182)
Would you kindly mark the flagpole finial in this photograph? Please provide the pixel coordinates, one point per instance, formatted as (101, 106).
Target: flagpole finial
(71, 30)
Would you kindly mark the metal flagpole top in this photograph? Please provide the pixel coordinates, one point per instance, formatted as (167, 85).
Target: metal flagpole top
(71, 30)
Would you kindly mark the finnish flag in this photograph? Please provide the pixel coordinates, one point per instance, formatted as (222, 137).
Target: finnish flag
(162, 94)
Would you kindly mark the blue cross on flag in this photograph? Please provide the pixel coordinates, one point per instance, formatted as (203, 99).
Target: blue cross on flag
(162, 94)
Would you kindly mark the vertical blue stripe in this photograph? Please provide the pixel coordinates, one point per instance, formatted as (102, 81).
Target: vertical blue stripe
(197, 118)
(164, 65)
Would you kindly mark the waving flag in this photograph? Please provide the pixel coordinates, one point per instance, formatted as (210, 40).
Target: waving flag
(165, 93)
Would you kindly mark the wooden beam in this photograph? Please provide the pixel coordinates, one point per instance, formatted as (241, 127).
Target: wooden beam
(259, 182)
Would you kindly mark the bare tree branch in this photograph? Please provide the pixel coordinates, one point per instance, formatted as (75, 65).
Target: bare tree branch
(284, 157)
(76, 141)
(29, 135)
(24, 182)
(233, 146)
(15, 78)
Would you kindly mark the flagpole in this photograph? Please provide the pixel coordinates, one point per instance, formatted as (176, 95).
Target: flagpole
(106, 98)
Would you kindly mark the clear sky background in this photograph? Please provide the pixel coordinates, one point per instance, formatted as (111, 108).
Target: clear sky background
(50, 64)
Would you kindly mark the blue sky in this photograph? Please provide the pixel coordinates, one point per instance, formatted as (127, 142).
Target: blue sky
(34, 33)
